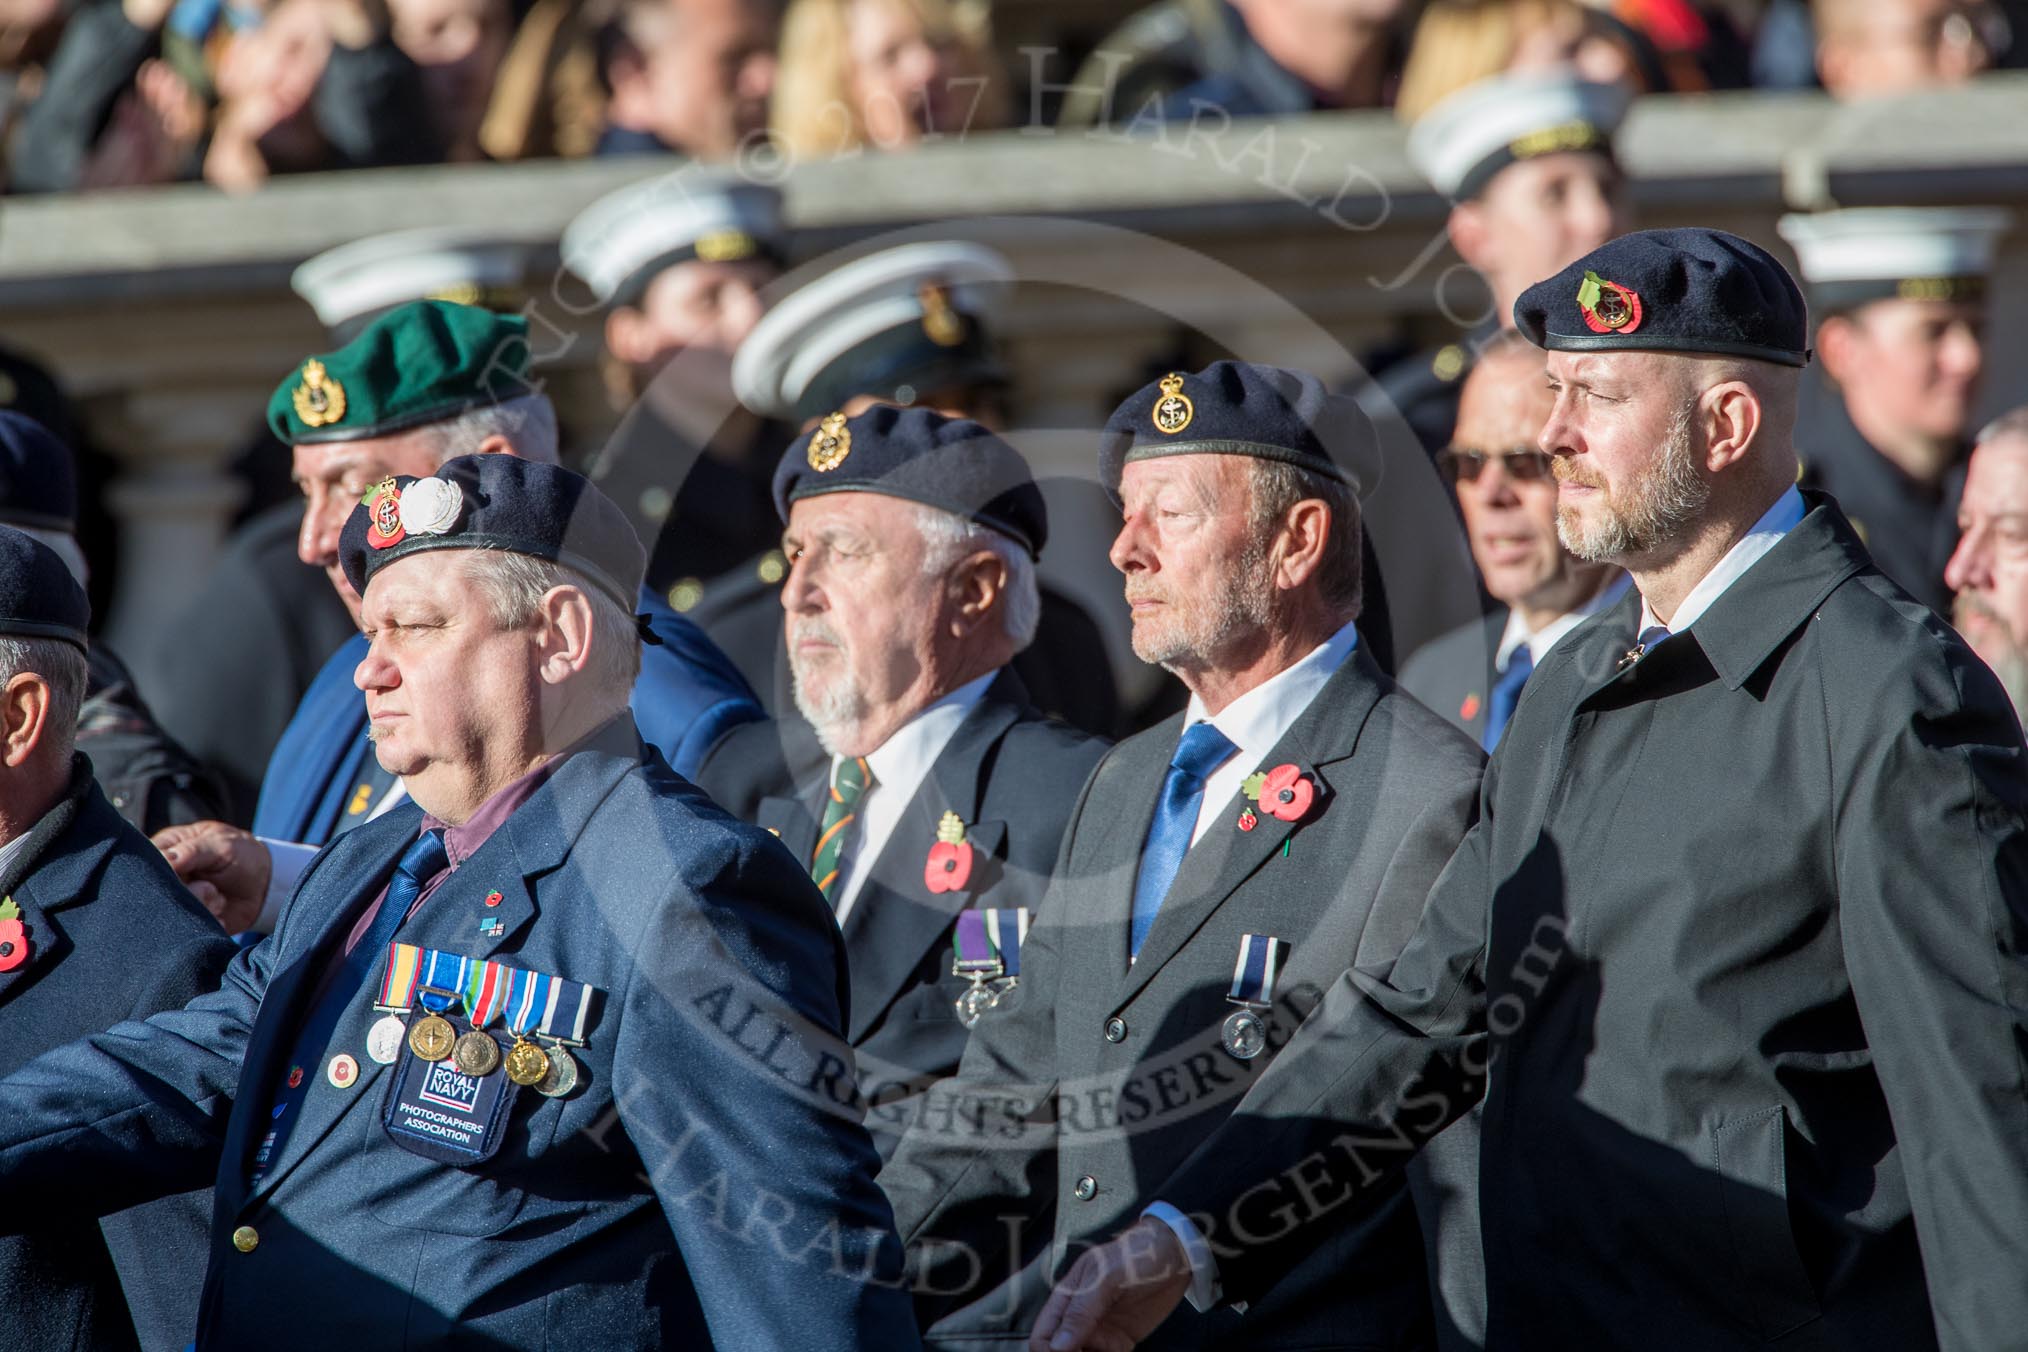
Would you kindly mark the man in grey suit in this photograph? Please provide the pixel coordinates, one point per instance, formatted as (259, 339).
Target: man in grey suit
(1736, 950)
(1473, 675)
(1218, 872)
(924, 792)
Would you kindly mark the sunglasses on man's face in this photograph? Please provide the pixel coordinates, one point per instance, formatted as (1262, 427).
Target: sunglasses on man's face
(1524, 464)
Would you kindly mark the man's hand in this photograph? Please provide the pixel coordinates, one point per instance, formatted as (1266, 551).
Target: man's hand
(1116, 1294)
(224, 867)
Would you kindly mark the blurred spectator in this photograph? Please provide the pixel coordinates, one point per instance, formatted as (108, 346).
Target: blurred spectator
(1874, 47)
(690, 76)
(307, 84)
(1528, 162)
(1989, 569)
(1899, 299)
(884, 74)
(680, 264)
(458, 46)
(1507, 494)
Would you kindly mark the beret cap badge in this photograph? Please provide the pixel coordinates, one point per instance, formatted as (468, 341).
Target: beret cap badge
(941, 323)
(830, 443)
(430, 506)
(384, 529)
(1607, 307)
(320, 399)
(1173, 411)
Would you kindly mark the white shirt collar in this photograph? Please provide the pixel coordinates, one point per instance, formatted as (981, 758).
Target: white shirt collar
(1258, 719)
(1540, 641)
(1776, 522)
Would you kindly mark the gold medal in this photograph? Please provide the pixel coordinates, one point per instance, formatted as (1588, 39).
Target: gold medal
(527, 1064)
(562, 1076)
(476, 1054)
(431, 1037)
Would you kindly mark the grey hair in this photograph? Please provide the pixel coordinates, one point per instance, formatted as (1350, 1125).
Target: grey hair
(62, 665)
(948, 537)
(515, 585)
(2012, 423)
(1277, 487)
(527, 423)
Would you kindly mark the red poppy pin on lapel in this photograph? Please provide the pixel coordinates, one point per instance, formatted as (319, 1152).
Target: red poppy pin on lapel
(1284, 793)
(1607, 307)
(13, 936)
(1470, 708)
(950, 860)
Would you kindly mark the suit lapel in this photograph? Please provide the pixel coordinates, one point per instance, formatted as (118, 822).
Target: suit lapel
(1225, 856)
(896, 918)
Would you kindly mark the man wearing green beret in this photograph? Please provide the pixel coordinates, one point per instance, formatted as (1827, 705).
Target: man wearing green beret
(424, 383)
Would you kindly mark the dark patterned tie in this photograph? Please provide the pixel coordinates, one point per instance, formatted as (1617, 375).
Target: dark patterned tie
(850, 779)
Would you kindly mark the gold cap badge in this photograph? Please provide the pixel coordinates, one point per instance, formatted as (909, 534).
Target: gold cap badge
(320, 399)
(1173, 411)
(725, 246)
(941, 323)
(830, 443)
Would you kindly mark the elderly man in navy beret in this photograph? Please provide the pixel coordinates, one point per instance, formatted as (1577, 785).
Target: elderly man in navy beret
(548, 1053)
(1218, 872)
(93, 929)
(926, 793)
(1735, 951)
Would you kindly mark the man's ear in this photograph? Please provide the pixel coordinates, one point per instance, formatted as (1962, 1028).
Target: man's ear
(567, 634)
(1732, 416)
(1306, 530)
(978, 588)
(24, 716)
(627, 335)
(1471, 235)
(1837, 336)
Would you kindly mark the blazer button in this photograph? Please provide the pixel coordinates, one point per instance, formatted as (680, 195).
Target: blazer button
(1086, 1189)
(246, 1239)
(1116, 1030)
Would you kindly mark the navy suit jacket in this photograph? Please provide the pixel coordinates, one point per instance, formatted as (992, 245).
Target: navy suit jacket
(112, 935)
(702, 1187)
(687, 696)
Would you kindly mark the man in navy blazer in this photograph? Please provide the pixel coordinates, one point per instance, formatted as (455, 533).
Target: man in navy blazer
(549, 1056)
(93, 929)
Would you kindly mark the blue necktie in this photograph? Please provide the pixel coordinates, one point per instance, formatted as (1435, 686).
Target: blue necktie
(1202, 750)
(1651, 636)
(1506, 694)
(423, 861)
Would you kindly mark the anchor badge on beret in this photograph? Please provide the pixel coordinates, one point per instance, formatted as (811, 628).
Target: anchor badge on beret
(1173, 411)
(320, 399)
(830, 443)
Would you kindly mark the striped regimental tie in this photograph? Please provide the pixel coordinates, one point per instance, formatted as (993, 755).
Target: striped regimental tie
(850, 779)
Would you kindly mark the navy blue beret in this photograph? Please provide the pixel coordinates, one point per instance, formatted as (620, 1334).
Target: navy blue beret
(38, 482)
(1687, 290)
(1239, 408)
(38, 596)
(921, 455)
(497, 502)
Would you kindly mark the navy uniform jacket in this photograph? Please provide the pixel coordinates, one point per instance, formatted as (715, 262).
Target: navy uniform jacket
(1910, 528)
(1011, 775)
(1453, 674)
(700, 1188)
(687, 695)
(112, 935)
(1103, 1076)
(1740, 932)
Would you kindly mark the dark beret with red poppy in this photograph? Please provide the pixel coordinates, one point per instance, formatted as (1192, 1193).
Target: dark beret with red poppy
(1687, 290)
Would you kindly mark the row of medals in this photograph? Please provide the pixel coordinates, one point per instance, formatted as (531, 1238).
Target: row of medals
(551, 1073)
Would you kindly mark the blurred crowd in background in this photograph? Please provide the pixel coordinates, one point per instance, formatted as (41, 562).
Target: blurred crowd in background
(124, 93)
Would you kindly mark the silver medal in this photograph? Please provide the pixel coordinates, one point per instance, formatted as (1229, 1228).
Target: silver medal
(1245, 1035)
(383, 1040)
(562, 1076)
(974, 1003)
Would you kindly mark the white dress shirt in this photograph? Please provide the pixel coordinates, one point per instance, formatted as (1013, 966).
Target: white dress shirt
(1774, 523)
(899, 767)
(1540, 641)
(1261, 717)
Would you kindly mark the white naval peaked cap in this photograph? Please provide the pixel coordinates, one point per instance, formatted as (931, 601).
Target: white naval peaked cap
(1481, 129)
(1859, 254)
(618, 243)
(354, 282)
(903, 316)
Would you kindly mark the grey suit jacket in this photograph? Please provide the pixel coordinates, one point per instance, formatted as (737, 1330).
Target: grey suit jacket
(1453, 674)
(1105, 1075)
